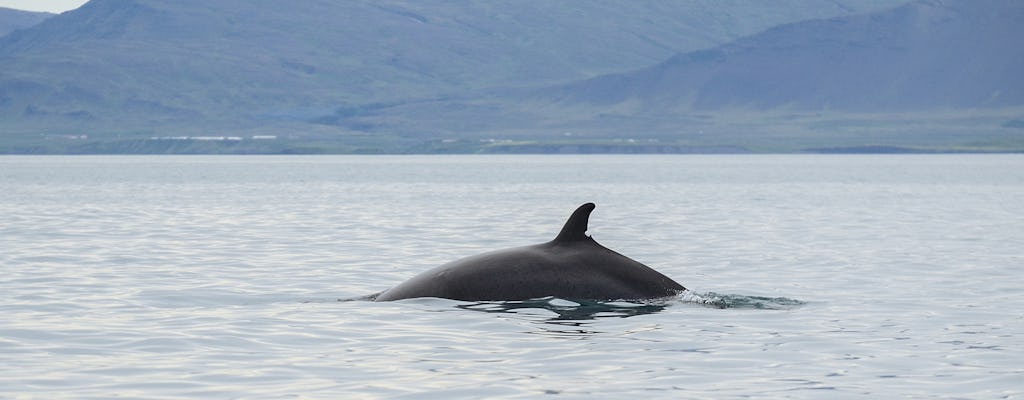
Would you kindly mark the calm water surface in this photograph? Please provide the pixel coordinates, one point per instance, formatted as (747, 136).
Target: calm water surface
(219, 277)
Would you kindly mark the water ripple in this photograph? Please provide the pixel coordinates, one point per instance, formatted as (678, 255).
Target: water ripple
(217, 277)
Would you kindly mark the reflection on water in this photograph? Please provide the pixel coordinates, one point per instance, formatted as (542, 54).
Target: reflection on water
(576, 319)
(555, 309)
(555, 317)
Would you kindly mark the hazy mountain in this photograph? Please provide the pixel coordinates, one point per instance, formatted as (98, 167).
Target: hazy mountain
(927, 55)
(515, 75)
(11, 20)
(167, 66)
(926, 76)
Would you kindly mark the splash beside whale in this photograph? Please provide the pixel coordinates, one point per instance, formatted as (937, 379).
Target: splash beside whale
(572, 266)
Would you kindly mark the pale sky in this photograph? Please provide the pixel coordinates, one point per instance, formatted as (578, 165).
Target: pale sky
(54, 6)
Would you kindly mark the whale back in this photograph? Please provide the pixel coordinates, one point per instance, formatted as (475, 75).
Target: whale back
(572, 266)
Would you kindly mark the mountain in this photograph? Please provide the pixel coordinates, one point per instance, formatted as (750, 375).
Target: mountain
(926, 55)
(139, 68)
(156, 76)
(11, 20)
(922, 77)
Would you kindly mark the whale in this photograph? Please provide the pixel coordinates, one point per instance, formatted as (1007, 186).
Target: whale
(572, 266)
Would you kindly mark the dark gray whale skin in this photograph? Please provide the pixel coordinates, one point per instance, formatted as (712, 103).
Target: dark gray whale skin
(572, 266)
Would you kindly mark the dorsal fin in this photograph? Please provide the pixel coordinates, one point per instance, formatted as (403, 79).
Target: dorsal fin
(576, 227)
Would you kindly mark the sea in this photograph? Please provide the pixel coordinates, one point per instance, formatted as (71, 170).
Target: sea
(248, 277)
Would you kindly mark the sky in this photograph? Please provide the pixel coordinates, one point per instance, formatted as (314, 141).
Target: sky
(54, 6)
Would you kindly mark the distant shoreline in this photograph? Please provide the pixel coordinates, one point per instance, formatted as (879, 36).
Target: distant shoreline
(268, 146)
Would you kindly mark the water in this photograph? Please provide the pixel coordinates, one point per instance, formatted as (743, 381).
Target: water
(219, 277)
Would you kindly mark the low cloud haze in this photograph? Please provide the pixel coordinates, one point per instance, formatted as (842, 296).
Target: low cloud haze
(53, 6)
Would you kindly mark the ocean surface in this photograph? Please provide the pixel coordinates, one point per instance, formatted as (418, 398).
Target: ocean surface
(240, 277)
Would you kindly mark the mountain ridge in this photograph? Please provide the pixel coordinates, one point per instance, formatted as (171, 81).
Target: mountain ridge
(928, 76)
(161, 65)
(511, 76)
(923, 55)
(12, 19)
